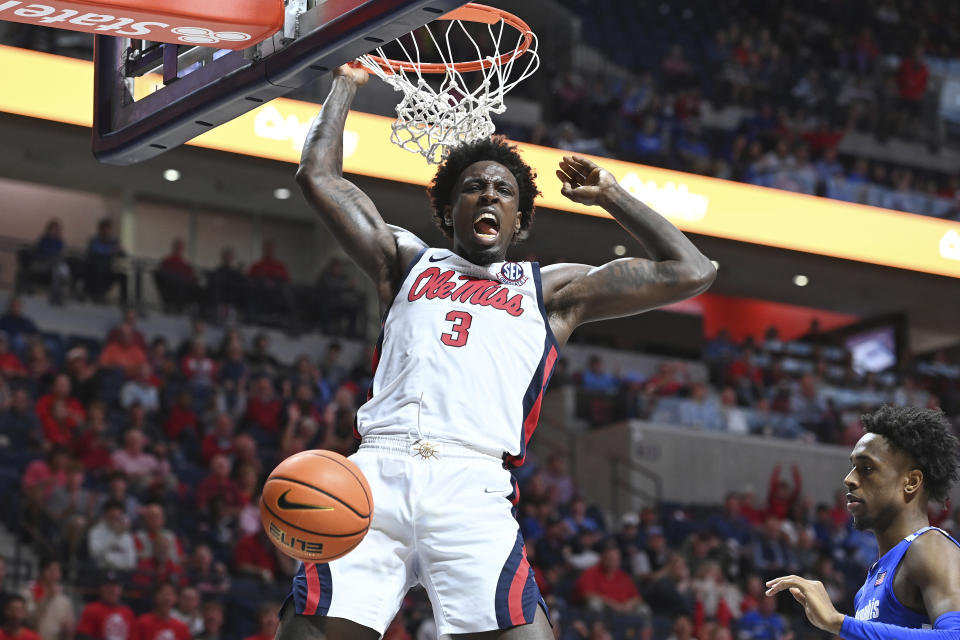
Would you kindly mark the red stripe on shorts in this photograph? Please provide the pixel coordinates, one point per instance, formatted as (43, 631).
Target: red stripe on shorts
(515, 599)
(313, 590)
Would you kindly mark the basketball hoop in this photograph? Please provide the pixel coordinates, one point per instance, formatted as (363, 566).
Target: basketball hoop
(456, 106)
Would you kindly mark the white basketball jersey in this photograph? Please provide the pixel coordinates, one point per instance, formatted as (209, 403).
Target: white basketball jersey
(465, 355)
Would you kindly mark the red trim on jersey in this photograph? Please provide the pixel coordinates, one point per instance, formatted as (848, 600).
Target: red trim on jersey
(516, 590)
(313, 590)
(530, 422)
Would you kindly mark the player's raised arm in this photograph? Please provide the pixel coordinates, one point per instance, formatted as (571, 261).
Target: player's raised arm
(675, 269)
(346, 210)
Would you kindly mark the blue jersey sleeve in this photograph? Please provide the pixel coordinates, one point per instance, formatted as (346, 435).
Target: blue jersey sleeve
(947, 627)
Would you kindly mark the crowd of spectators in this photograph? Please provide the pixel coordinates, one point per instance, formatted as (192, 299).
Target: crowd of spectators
(139, 463)
(264, 293)
(803, 389)
(132, 468)
(801, 76)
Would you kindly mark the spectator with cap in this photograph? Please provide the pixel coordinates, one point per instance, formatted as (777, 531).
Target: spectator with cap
(110, 541)
(107, 617)
(49, 609)
(160, 624)
(14, 620)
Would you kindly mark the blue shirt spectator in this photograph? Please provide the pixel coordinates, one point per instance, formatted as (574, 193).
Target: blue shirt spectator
(595, 378)
(15, 323)
(763, 623)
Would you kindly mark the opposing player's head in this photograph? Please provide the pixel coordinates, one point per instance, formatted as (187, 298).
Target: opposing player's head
(907, 457)
(482, 198)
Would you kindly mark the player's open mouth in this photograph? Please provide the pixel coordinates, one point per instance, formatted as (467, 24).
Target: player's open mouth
(853, 502)
(486, 227)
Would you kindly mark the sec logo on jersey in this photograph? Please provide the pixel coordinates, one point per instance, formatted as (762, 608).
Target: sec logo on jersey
(512, 273)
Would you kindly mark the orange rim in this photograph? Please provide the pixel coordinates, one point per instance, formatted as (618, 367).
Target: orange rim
(471, 12)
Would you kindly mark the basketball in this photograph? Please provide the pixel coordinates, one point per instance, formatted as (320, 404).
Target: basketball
(316, 506)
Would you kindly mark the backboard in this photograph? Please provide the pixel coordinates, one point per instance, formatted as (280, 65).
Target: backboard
(203, 87)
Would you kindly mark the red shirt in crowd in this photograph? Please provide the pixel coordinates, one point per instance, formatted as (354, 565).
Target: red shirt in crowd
(194, 368)
(265, 414)
(912, 79)
(177, 266)
(23, 634)
(212, 486)
(616, 586)
(180, 419)
(212, 445)
(271, 269)
(152, 627)
(10, 364)
(107, 622)
(55, 431)
(249, 551)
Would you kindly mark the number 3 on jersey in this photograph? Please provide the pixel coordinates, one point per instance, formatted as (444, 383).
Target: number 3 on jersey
(460, 331)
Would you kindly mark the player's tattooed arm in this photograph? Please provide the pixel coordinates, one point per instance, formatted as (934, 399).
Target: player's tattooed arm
(347, 211)
(674, 270)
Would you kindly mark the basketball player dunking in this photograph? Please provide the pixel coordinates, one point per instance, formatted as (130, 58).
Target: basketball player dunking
(468, 345)
(907, 457)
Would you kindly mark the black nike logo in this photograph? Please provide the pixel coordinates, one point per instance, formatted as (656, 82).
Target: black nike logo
(283, 503)
(435, 259)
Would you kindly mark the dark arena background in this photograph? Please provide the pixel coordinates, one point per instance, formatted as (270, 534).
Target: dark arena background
(173, 329)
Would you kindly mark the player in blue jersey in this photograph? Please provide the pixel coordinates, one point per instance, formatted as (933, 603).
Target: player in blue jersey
(907, 458)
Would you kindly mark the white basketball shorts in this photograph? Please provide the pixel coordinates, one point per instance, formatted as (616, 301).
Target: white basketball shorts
(442, 518)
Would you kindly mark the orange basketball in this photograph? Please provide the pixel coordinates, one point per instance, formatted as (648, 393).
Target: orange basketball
(316, 506)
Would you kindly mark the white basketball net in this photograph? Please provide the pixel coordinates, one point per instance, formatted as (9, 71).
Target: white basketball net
(432, 120)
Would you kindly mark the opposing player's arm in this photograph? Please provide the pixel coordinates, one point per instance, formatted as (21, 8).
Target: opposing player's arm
(932, 565)
(349, 214)
(675, 270)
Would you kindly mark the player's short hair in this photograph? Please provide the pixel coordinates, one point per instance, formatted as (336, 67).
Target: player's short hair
(925, 434)
(496, 149)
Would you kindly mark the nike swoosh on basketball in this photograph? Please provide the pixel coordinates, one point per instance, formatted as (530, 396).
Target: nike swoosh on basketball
(435, 259)
(283, 503)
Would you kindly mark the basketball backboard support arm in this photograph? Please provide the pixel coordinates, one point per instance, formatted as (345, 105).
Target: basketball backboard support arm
(328, 35)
